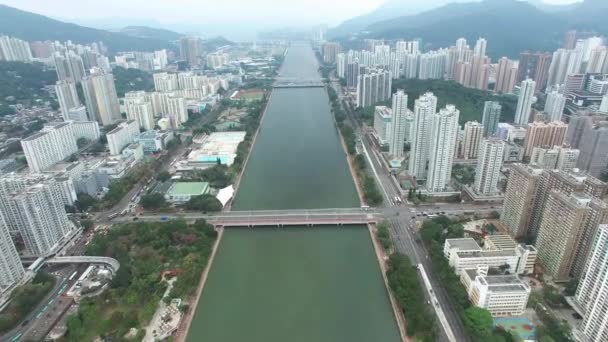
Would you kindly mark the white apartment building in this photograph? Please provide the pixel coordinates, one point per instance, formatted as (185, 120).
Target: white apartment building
(443, 136)
(216, 60)
(138, 108)
(54, 143)
(488, 166)
(77, 114)
(424, 110)
(11, 269)
(177, 113)
(165, 82)
(382, 123)
(554, 106)
(501, 295)
(121, 136)
(592, 292)
(524, 102)
(13, 49)
(67, 97)
(86, 129)
(398, 124)
(473, 132)
(556, 158)
(41, 217)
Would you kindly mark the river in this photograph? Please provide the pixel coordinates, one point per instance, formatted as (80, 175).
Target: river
(295, 283)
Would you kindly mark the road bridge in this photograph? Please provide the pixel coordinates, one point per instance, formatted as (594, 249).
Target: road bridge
(278, 218)
(290, 82)
(111, 262)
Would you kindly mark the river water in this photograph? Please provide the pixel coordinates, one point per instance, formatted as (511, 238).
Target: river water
(295, 283)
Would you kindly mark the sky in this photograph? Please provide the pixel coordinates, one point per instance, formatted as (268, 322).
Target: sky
(232, 18)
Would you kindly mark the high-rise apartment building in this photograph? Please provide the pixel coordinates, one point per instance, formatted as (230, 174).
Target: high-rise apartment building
(11, 270)
(565, 222)
(577, 128)
(373, 87)
(165, 82)
(524, 102)
(121, 136)
(383, 117)
(519, 199)
(444, 130)
(592, 292)
(564, 63)
(67, 96)
(506, 75)
(217, 60)
(593, 146)
(480, 47)
(329, 51)
(540, 134)
(69, 67)
(555, 158)
(352, 72)
(190, 50)
(424, 110)
(488, 165)
(534, 66)
(140, 109)
(101, 98)
(554, 107)
(51, 145)
(473, 132)
(399, 124)
(490, 118)
(14, 50)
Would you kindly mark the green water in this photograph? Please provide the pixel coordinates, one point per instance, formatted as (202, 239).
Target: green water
(295, 283)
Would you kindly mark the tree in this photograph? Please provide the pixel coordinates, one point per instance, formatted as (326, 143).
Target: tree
(73, 158)
(153, 201)
(571, 287)
(479, 322)
(163, 176)
(82, 142)
(205, 202)
(85, 201)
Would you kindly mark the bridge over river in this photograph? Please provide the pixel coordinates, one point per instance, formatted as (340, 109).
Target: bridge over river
(279, 218)
(290, 82)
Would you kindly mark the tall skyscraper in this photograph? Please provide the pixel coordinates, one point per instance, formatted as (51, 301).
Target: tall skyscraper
(329, 50)
(519, 199)
(480, 47)
(353, 70)
(140, 109)
(13, 49)
(190, 50)
(67, 97)
(11, 270)
(398, 124)
(577, 127)
(444, 130)
(490, 118)
(554, 107)
(506, 76)
(101, 98)
(473, 132)
(424, 110)
(592, 292)
(565, 221)
(488, 165)
(524, 102)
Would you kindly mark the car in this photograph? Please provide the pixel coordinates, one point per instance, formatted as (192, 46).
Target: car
(576, 315)
(135, 218)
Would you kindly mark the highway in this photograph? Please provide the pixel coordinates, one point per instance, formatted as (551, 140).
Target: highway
(404, 233)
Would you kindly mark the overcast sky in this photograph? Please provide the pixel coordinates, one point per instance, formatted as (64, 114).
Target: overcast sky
(214, 12)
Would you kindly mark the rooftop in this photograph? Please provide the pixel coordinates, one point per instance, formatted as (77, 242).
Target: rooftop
(189, 188)
(465, 244)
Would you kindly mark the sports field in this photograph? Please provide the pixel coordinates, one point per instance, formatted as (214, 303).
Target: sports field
(521, 325)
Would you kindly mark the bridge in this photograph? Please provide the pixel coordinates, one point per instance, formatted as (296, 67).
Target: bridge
(292, 82)
(277, 218)
(110, 262)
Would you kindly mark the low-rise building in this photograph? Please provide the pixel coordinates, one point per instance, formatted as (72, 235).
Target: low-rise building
(465, 254)
(121, 136)
(501, 295)
(154, 141)
(182, 192)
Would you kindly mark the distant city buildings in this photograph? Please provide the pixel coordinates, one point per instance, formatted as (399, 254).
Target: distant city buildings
(329, 51)
(372, 87)
(490, 118)
(554, 106)
(506, 75)
(540, 134)
(14, 50)
(524, 102)
(190, 50)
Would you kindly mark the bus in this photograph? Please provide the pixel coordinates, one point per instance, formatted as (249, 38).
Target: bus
(112, 216)
(398, 200)
(73, 275)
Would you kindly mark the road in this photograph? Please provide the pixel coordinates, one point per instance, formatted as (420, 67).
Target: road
(403, 228)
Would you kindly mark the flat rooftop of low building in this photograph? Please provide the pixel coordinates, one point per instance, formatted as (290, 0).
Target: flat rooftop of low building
(486, 254)
(502, 241)
(464, 244)
(189, 188)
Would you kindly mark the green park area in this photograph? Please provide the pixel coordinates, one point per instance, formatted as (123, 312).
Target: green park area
(145, 251)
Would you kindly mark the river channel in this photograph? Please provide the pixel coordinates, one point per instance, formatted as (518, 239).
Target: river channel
(295, 283)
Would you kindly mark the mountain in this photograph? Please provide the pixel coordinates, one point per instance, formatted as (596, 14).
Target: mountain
(30, 26)
(150, 32)
(509, 26)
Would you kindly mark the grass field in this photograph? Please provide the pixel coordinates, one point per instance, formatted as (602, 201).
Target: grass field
(250, 94)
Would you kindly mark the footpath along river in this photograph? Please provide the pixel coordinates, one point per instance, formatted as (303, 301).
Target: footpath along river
(295, 284)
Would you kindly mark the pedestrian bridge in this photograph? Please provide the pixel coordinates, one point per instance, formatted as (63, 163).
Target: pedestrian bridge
(110, 262)
(277, 218)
